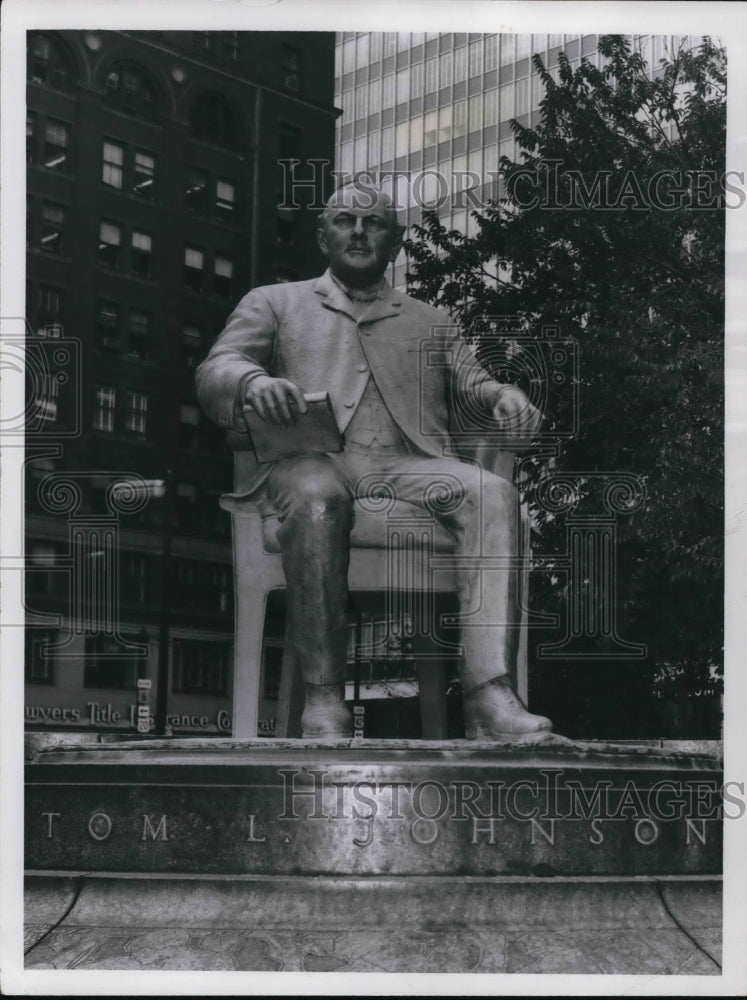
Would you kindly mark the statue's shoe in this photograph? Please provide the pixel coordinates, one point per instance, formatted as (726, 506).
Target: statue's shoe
(492, 710)
(325, 713)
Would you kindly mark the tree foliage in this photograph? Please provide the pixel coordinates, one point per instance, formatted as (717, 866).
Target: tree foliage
(612, 228)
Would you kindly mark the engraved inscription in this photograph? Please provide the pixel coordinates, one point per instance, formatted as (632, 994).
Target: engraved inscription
(160, 831)
(424, 830)
(251, 839)
(99, 826)
(50, 818)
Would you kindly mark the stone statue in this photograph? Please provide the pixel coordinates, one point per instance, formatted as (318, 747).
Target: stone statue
(349, 333)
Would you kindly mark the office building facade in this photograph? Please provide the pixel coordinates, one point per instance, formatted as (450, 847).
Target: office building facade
(435, 110)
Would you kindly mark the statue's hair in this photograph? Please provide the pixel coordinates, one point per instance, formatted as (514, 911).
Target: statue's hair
(369, 196)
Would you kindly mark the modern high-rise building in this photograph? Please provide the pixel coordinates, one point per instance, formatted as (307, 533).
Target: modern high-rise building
(153, 184)
(436, 108)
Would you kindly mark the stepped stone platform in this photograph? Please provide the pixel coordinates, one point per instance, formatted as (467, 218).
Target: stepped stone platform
(538, 856)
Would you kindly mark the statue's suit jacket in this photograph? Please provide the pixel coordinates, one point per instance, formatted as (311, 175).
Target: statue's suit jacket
(305, 331)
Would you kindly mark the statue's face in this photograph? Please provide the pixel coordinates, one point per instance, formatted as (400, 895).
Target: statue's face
(359, 239)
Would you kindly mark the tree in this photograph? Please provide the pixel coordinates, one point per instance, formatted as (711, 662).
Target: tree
(612, 228)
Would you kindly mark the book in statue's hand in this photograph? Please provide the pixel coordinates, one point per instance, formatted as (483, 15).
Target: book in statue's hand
(314, 432)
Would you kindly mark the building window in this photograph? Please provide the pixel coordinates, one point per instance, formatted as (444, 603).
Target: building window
(348, 56)
(31, 120)
(491, 53)
(387, 144)
(136, 414)
(431, 75)
(110, 244)
(139, 333)
(136, 578)
(142, 251)
(107, 326)
(491, 108)
(223, 275)
(202, 41)
(522, 96)
(50, 306)
(475, 58)
(360, 101)
(197, 186)
(47, 63)
(39, 665)
(362, 48)
(416, 81)
(130, 91)
(230, 45)
(290, 70)
(191, 345)
(106, 666)
(43, 575)
(144, 174)
(225, 198)
(387, 100)
(194, 268)
(475, 113)
(56, 143)
(290, 146)
(46, 398)
(460, 64)
(460, 119)
(186, 505)
(189, 423)
(200, 667)
(112, 164)
(53, 228)
(104, 407)
(286, 230)
(403, 86)
(212, 121)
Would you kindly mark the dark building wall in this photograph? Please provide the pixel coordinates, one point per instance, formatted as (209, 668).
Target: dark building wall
(169, 141)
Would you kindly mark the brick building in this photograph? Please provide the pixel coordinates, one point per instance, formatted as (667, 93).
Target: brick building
(152, 194)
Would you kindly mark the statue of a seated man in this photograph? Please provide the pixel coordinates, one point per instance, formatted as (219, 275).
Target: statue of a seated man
(349, 333)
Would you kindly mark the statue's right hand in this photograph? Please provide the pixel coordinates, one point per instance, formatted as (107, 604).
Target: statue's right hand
(276, 400)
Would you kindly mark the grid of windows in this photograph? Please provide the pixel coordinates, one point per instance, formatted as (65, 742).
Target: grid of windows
(200, 667)
(431, 99)
(117, 333)
(134, 420)
(206, 195)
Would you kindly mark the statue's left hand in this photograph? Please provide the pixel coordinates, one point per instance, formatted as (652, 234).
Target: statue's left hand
(515, 414)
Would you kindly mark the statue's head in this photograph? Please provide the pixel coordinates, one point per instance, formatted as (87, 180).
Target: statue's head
(359, 233)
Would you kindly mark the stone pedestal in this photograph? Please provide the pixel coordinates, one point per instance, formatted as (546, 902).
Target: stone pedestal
(454, 856)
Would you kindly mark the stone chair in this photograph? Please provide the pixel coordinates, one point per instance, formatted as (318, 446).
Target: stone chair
(393, 544)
